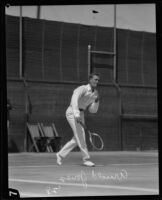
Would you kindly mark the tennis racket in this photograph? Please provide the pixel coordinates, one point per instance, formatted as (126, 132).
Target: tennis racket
(94, 138)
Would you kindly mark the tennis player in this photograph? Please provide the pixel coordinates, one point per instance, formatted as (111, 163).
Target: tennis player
(84, 97)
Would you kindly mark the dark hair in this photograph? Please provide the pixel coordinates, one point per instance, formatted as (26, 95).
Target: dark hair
(93, 74)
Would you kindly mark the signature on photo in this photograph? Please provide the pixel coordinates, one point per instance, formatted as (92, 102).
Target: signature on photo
(82, 177)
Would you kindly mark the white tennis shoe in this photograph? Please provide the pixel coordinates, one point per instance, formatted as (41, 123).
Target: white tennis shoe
(89, 163)
(59, 160)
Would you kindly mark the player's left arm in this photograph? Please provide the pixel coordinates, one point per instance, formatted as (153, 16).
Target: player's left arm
(93, 107)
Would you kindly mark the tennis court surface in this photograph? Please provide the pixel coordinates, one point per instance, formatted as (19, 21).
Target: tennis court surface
(116, 173)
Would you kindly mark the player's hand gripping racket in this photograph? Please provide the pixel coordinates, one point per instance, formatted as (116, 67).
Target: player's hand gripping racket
(94, 138)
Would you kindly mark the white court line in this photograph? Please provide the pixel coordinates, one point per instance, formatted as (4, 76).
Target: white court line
(23, 194)
(30, 194)
(135, 164)
(88, 185)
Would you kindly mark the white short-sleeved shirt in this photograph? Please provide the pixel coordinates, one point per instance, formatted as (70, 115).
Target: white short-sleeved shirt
(82, 98)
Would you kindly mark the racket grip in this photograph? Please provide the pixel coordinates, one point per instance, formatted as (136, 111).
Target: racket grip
(83, 125)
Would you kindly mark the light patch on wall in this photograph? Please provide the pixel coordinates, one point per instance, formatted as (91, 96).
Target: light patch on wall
(27, 11)
(139, 17)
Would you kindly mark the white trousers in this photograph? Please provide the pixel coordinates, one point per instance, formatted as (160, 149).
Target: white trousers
(78, 138)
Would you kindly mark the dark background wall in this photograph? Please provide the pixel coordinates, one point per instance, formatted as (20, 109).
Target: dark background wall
(55, 62)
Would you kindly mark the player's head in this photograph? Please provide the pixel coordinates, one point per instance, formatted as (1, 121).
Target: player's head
(94, 79)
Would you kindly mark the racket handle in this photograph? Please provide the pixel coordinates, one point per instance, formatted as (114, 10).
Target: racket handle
(83, 125)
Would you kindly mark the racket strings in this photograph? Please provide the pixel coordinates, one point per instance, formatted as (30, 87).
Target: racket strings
(96, 141)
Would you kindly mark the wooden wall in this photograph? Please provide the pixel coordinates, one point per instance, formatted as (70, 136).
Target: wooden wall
(50, 101)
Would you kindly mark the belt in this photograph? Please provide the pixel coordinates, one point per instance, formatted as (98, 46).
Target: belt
(80, 109)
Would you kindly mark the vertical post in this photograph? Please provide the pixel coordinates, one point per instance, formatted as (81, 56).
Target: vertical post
(142, 53)
(114, 43)
(116, 84)
(26, 114)
(89, 60)
(61, 37)
(78, 48)
(26, 120)
(43, 38)
(120, 121)
(20, 43)
(38, 12)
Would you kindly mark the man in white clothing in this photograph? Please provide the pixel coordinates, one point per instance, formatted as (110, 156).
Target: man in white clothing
(84, 97)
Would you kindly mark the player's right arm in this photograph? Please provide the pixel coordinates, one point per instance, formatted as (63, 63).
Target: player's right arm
(77, 94)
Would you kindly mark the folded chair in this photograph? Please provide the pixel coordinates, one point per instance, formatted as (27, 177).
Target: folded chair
(53, 140)
(39, 142)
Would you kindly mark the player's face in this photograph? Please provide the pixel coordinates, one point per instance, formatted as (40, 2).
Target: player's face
(94, 81)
